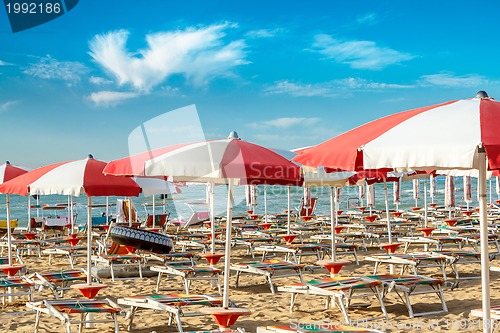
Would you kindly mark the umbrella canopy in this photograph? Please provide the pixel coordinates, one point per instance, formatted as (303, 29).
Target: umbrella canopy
(9, 171)
(461, 134)
(73, 178)
(453, 132)
(227, 161)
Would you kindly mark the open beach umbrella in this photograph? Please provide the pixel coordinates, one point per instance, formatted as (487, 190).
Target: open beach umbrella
(459, 134)
(73, 178)
(8, 172)
(228, 161)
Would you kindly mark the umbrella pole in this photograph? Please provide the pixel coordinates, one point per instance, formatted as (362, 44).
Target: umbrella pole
(288, 210)
(485, 264)
(89, 240)
(71, 214)
(265, 203)
(333, 219)
(154, 222)
(425, 203)
(212, 216)
(227, 258)
(387, 212)
(392, 269)
(9, 234)
(107, 206)
(29, 212)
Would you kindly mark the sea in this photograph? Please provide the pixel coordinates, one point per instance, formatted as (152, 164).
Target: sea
(194, 197)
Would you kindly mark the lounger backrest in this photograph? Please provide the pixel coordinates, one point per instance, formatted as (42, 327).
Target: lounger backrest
(160, 220)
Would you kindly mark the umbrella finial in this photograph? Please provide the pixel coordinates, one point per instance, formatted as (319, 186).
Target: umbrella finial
(482, 94)
(7, 162)
(233, 135)
(90, 157)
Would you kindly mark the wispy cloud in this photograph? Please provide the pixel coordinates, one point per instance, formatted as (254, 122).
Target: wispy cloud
(200, 54)
(53, 69)
(450, 80)
(7, 105)
(299, 89)
(329, 89)
(367, 19)
(285, 122)
(111, 98)
(3, 63)
(358, 54)
(264, 33)
(98, 81)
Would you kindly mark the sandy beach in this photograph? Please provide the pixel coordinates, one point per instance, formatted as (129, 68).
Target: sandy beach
(254, 294)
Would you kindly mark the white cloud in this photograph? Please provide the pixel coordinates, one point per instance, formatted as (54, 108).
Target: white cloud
(368, 18)
(450, 80)
(285, 122)
(3, 63)
(99, 80)
(264, 33)
(7, 105)
(52, 69)
(199, 54)
(299, 89)
(111, 98)
(358, 54)
(332, 88)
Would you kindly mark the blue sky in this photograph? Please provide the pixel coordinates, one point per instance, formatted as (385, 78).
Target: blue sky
(283, 74)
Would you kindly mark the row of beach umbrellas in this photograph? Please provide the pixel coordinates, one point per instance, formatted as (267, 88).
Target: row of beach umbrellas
(455, 135)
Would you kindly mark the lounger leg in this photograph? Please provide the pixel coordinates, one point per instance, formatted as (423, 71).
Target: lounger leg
(269, 278)
(112, 271)
(158, 281)
(237, 278)
(408, 305)
(37, 320)
(292, 301)
(179, 323)
(441, 297)
(380, 298)
(115, 321)
(133, 309)
(186, 285)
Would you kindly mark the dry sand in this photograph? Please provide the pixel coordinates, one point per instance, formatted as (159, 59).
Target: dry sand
(269, 309)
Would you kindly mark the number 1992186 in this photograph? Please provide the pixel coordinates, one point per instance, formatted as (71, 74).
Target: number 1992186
(33, 8)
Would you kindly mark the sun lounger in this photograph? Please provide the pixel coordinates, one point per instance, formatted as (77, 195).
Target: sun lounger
(188, 274)
(176, 305)
(85, 310)
(407, 285)
(72, 252)
(16, 286)
(413, 261)
(251, 242)
(462, 257)
(293, 252)
(437, 242)
(297, 327)
(494, 315)
(270, 269)
(173, 258)
(58, 281)
(339, 291)
(114, 261)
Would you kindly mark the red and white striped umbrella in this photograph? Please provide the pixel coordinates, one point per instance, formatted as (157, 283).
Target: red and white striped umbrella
(370, 195)
(226, 161)
(432, 187)
(8, 172)
(460, 134)
(449, 192)
(73, 178)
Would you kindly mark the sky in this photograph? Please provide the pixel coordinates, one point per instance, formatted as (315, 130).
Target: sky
(283, 74)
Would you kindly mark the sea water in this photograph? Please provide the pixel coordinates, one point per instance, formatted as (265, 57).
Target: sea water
(178, 205)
